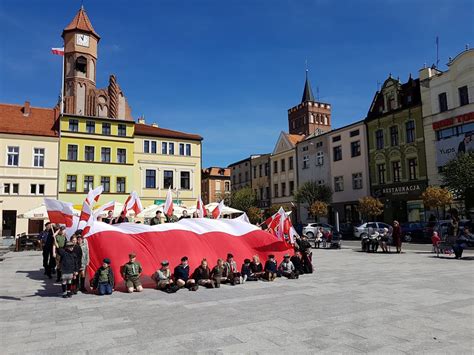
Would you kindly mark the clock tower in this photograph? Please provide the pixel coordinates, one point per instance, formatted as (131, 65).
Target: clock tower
(80, 63)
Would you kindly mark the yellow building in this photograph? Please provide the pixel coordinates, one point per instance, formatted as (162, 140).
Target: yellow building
(28, 164)
(165, 158)
(95, 151)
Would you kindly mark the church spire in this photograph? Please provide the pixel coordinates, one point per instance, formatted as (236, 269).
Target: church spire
(307, 93)
(81, 22)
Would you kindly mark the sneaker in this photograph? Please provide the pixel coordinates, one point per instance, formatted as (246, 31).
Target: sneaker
(64, 295)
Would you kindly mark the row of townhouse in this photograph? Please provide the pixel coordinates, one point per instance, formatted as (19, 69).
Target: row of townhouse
(64, 157)
(89, 139)
(411, 131)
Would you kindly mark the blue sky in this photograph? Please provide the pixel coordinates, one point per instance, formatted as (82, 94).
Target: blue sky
(230, 69)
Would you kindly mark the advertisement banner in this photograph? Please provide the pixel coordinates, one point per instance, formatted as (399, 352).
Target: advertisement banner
(448, 149)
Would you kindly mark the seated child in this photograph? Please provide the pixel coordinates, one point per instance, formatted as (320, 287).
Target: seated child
(256, 267)
(217, 273)
(181, 276)
(202, 275)
(287, 268)
(103, 279)
(270, 268)
(231, 271)
(163, 279)
(246, 272)
(131, 272)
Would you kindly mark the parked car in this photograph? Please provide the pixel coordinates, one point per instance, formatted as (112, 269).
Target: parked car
(310, 230)
(346, 229)
(368, 228)
(416, 231)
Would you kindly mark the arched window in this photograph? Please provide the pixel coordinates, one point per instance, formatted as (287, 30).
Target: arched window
(81, 64)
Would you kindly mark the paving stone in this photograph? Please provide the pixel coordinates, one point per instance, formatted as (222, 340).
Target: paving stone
(353, 303)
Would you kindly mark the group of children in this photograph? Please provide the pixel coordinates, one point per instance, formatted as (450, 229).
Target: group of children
(225, 272)
(69, 260)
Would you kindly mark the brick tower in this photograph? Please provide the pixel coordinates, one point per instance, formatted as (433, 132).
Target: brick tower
(310, 115)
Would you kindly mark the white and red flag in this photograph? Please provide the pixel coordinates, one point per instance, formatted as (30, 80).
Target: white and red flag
(93, 195)
(58, 51)
(281, 227)
(200, 208)
(59, 212)
(109, 206)
(88, 226)
(133, 203)
(216, 213)
(168, 209)
(86, 212)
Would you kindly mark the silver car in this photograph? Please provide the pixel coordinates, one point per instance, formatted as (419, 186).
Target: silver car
(369, 228)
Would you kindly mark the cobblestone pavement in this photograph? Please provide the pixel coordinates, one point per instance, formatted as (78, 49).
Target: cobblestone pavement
(355, 302)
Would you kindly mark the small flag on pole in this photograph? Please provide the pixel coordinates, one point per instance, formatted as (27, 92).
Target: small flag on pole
(58, 51)
(168, 209)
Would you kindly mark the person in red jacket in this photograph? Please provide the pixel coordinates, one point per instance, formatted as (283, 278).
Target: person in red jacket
(435, 240)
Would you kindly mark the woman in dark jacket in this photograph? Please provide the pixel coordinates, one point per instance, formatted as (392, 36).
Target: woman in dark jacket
(397, 236)
(202, 275)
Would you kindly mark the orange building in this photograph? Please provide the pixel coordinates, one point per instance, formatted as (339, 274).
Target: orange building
(215, 184)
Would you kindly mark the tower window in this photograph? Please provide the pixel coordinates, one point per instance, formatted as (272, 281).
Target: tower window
(81, 64)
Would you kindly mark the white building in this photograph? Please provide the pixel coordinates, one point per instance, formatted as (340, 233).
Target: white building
(349, 169)
(313, 165)
(28, 164)
(448, 112)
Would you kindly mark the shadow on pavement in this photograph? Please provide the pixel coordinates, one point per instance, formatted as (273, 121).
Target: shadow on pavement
(49, 287)
(10, 298)
(451, 257)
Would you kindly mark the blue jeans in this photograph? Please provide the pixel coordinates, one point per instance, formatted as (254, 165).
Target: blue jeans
(104, 288)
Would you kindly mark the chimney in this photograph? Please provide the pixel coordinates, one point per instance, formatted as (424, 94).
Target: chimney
(141, 120)
(154, 124)
(26, 109)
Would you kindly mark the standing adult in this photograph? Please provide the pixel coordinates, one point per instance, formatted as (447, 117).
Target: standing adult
(49, 262)
(59, 243)
(122, 218)
(84, 262)
(110, 218)
(157, 219)
(397, 236)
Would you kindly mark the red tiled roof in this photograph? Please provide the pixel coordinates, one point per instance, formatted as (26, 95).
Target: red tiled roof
(148, 130)
(81, 22)
(215, 171)
(39, 122)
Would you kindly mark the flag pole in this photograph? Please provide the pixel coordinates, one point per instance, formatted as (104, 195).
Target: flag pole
(62, 87)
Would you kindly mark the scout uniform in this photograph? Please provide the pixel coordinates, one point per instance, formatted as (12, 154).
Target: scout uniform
(131, 272)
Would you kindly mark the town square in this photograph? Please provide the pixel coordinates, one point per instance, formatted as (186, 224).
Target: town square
(236, 177)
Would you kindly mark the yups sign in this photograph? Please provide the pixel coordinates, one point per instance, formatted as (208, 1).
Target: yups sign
(448, 149)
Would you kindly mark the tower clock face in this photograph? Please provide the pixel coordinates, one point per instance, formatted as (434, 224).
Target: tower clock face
(82, 40)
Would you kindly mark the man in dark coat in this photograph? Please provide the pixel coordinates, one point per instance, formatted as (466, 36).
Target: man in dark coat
(49, 262)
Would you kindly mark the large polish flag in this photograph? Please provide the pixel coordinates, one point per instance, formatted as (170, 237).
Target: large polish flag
(59, 212)
(93, 195)
(200, 208)
(216, 213)
(168, 209)
(109, 206)
(196, 238)
(58, 51)
(133, 203)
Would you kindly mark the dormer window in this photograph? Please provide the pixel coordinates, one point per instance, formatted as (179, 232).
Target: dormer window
(81, 64)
